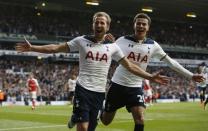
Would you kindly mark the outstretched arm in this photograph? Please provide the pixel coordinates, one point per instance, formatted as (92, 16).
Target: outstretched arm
(181, 70)
(140, 72)
(52, 48)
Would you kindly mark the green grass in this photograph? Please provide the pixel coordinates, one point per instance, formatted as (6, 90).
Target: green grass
(160, 117)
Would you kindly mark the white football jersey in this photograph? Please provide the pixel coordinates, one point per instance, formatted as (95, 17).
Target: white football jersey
(72, 84)
(139, 53)
(94, 61)
(206, 76)
(204, 73)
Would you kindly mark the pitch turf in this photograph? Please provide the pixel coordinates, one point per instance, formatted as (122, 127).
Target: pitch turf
(160, 117)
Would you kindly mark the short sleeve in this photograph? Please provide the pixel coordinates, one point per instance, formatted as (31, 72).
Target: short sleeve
(74, 44)
(118, 54)
(158, 52)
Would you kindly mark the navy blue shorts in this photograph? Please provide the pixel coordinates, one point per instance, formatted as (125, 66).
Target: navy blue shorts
(87, 105)
(119, 96)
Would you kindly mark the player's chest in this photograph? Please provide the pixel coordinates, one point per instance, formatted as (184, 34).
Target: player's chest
(137, 49)
(140, 53)
(93, 52)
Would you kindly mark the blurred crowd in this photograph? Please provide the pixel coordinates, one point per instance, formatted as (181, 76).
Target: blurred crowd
(178, 87)
(53, 79)
(68, 24)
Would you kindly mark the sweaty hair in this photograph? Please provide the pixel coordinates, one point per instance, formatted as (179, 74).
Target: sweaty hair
(142, 15)
(100, 14)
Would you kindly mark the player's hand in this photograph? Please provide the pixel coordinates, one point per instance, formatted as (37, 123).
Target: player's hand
(198, 78)
(157, 78)
(109, 37)
(23, 47)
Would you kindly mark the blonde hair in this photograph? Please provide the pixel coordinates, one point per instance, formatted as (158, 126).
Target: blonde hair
(99, 14)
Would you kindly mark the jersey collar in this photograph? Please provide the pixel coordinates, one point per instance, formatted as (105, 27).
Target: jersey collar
(92, 39)
(133, 38)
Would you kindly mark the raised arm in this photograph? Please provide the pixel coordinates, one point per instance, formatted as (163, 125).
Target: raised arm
(140, 72)
(52, 48)
(181, 70)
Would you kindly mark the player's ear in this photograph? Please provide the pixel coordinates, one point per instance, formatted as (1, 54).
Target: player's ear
(108, 28)
(148, 27)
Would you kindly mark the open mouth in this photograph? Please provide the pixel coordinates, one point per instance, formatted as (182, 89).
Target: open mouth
(140, 30)
(99, 31)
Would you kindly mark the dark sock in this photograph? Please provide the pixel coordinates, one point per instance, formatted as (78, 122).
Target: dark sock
(101, 115)
(201, 98)
(206, 101)
(139, 127)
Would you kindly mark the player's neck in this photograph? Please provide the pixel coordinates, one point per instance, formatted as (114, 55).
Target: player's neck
(140, 39)
(99, 39)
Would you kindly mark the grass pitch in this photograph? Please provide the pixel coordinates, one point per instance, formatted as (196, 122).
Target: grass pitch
(159, 117)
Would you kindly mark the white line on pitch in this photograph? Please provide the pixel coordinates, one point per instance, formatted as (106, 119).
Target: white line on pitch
(124, 121)
(23, 128)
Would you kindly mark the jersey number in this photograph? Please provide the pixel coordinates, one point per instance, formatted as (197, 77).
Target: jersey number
(141, 98)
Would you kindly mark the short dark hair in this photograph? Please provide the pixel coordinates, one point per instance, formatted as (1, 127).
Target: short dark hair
(203, 64)
(142, 15)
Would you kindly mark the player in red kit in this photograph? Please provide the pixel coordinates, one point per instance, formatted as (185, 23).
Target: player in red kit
(147, 92)
(33, 87)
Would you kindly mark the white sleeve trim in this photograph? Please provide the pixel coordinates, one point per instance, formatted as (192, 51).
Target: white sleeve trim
(177, 67)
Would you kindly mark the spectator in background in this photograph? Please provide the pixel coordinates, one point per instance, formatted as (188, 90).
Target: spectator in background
(202, 70)
(1, 97)
(34, 89)
(71, 86)
(147, 92)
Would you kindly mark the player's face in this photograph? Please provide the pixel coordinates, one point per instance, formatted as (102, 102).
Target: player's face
(141, 27)
(100, 26)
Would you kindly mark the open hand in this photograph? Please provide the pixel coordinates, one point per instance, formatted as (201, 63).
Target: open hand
(23, 47)
(198, 78)
(157, 78)
(109, 37)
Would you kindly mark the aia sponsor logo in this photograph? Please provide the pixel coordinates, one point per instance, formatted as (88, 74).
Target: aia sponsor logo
(138, 58)
(97, 57)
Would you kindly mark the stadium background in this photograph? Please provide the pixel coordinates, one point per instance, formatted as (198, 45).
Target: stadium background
(183, 38)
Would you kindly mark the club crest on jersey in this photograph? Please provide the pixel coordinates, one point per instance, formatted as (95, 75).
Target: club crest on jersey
(138, 58)
(130, 45)
(97, 56)
(89, 45)
(148, 49)
(107, 48)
